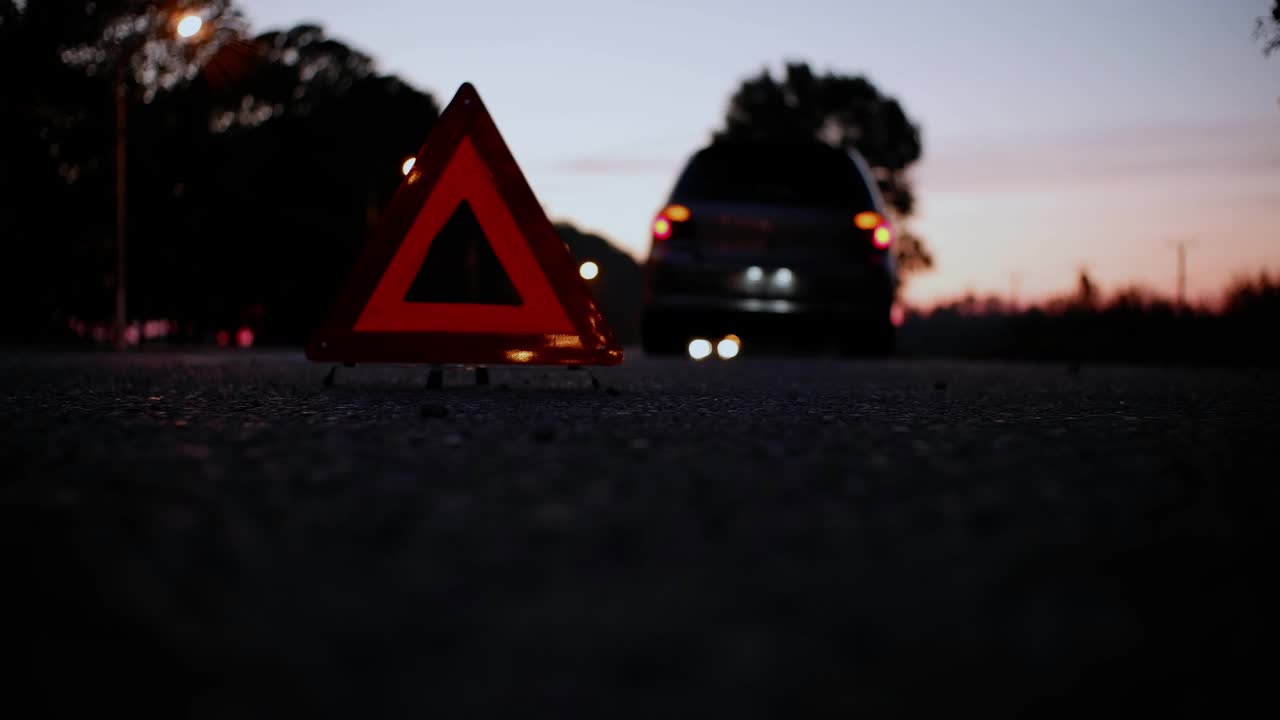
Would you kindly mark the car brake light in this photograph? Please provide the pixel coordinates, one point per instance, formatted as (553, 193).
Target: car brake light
(882, 237)
(663, 225)
(661, 229)
(867, 220)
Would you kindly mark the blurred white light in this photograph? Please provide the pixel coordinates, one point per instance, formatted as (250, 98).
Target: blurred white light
(783, 278)
(588, 270)
(408, 165)
(755, 274)
(189, 25)
(728, 347)
(700, 349)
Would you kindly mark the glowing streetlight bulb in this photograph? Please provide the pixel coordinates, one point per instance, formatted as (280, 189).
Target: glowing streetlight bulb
(588, 270)
(408, 165)
(189, 25)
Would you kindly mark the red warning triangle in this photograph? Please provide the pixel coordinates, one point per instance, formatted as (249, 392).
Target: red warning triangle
(464, 266)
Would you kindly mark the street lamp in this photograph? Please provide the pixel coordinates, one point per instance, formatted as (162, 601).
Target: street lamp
(188, 26)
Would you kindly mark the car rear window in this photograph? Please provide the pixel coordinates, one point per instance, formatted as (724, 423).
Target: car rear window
(796, 175)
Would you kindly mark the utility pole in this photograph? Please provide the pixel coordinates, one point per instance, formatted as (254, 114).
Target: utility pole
(1181, 247)
(121, 316)
(188, 26)
(1182, 275)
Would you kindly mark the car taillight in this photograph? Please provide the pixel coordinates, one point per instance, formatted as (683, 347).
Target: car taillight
(881, 233)
(664, 224)
(661, 229)
(867, 220)
(882, 237)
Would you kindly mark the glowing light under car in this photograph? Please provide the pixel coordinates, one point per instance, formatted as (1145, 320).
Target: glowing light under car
(700, 349)
(729, 347)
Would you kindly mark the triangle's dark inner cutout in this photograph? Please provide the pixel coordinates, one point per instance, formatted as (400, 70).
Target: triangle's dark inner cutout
(460, 267)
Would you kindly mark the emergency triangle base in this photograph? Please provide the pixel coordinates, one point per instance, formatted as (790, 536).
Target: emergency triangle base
(464, 266)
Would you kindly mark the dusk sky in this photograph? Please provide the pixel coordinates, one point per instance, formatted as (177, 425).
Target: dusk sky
(1057, 135)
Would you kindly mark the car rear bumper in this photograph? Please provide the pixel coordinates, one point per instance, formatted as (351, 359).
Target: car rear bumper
(769, 290)
(814, 328)
(701, 304)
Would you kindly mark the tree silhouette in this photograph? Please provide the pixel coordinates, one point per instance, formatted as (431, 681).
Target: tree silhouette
(139, 38)
(1268, 30)
(256, 165)
(309, 150)
(845, 111)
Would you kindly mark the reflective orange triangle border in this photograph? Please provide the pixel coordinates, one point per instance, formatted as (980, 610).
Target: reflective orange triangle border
(557, 322)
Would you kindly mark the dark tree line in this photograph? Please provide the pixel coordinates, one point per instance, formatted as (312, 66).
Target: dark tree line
(1268, 30)
(1131, 325)
(255, 166)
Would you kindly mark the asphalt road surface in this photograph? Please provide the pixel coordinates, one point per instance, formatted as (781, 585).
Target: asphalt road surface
(219, 535)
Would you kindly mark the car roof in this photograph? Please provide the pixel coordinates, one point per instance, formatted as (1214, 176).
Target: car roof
(739, 145)
(757, 144)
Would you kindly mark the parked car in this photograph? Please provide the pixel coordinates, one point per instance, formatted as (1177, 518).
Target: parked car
(769, 241)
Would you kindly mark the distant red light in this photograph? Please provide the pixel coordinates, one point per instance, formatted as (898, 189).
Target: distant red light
(897, 315)
(661, 229)
(223, 338)
(244, 337)
(882, 237)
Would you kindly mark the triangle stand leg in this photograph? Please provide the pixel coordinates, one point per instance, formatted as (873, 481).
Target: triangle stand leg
(482, 375)
(435, 379)
(333, 374)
